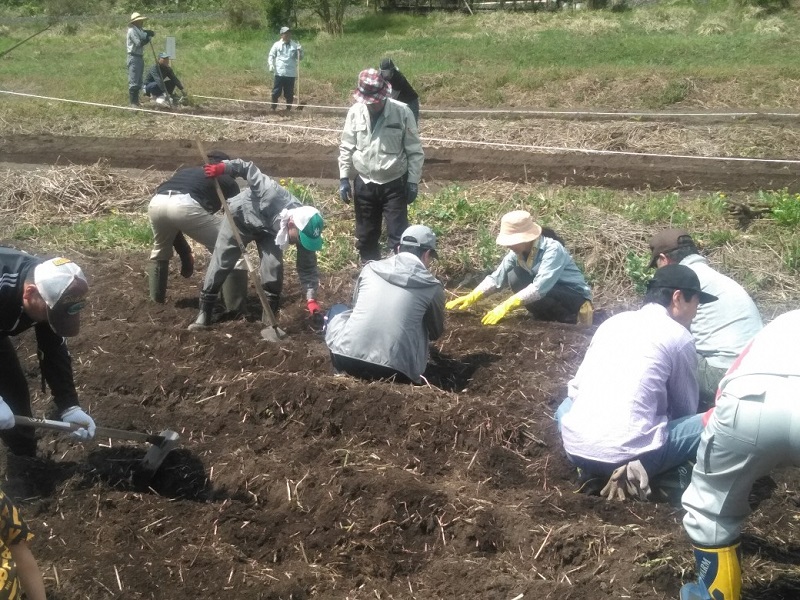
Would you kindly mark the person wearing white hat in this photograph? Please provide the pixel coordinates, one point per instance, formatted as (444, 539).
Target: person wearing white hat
(271, 216)
(398, 309)
(47, 295)
(540, 272)
(283, 60)
(135, 42)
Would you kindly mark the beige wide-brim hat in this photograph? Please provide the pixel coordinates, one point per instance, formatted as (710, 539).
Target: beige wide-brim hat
(517, 227)
(136, 17)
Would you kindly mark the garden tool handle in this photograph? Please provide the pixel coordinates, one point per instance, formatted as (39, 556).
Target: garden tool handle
(262, 295)
(100, 432)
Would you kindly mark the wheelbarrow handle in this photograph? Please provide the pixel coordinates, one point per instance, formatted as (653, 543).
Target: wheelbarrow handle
(101, 432)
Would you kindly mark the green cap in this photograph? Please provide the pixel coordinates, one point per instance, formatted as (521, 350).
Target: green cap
(311, 234)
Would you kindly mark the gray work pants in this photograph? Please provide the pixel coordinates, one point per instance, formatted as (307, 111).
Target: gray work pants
(135, 71)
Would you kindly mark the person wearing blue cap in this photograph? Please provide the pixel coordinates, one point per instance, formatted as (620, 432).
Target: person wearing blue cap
(161, 81)
(269, 215)
(284, 60)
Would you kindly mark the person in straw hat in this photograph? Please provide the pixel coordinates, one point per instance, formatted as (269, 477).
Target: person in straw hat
(135, 42)
(381, 150)
(540, 272)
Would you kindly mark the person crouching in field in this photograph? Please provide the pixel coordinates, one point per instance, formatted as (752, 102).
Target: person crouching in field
(398, 308)
(631, 410)
(540, 272)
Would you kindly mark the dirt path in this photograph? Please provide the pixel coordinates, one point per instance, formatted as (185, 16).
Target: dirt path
(301, 160)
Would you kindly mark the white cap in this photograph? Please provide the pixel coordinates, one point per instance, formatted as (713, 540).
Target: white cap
(63, 286)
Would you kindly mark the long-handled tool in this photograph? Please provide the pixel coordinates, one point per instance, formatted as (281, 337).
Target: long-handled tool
(300, 105)
(161, 83)
(271, 333)
(162, 444)
(7, 50)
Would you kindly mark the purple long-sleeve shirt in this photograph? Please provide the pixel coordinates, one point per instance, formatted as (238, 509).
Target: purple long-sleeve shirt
(638, 374)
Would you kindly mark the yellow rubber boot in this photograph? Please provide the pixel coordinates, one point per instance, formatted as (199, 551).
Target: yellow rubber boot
(586, 314)
(719, 575)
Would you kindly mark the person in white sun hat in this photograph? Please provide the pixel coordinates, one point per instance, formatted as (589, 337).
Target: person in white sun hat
(47, 295)
(540, 272)
(135, 41)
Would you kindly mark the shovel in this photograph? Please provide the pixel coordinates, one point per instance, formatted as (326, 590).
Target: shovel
(271, 333)
(162, 444)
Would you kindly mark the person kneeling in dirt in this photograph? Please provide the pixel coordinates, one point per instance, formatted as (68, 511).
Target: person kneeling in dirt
(631, 410)
(541, 273)
(47, 295)
(720, 330)
(161, 81)
(188, 203)
(752, 430)
(271, 216)
(398, 308)
(18, 569)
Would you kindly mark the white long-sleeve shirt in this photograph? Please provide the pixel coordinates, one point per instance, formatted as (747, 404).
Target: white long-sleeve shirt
(638, 374)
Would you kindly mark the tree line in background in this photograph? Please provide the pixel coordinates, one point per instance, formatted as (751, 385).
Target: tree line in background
(276, 13)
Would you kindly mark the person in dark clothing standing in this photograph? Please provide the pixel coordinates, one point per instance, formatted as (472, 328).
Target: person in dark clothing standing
(46, 295)
(188, 203)
(161, 81)
(401, 89)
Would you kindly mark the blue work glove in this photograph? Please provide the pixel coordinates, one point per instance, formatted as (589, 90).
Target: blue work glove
(76, 415)
(6, 416)
(345, 191)
(412, 189)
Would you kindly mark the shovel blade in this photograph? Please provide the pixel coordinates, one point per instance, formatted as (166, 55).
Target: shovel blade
(273, 334)
(155, 456)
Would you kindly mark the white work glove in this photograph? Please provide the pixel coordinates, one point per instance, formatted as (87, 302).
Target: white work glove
(76, 415)
(628, 481)
(6, 416)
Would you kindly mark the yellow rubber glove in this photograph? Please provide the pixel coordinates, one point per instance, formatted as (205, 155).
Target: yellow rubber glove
(463, 302)
(500, 311)
(586, 314)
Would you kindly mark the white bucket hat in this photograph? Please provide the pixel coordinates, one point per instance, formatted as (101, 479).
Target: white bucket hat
(517, 227)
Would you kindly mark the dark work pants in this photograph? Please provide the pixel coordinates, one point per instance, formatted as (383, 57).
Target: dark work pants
(154, 88)
(283, 85)
(14, 390)
(365, 370)
(374, 202)
(560, 304)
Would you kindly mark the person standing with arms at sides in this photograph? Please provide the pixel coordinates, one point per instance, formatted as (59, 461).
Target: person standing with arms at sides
(135, 42)
(381, 147)
(283, 60)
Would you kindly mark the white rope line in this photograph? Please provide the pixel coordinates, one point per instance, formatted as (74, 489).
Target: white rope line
(560, 113)
(425, 139)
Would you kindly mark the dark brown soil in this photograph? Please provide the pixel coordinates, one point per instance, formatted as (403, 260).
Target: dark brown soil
(292, 483)
(316, 161)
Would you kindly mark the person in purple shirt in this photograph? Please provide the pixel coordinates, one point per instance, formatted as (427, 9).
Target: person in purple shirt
(634, 397)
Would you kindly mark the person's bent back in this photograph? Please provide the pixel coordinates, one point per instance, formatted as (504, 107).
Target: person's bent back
(398, 309)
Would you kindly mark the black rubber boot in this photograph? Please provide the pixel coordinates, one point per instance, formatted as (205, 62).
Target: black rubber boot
(158, 274)
(133, 96)
(234, 293)
(207, 303)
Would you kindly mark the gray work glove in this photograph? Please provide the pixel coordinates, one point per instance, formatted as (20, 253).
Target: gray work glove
(412, 189)
(75, 414)
(628, 481)
(345, 191)
(6, 416)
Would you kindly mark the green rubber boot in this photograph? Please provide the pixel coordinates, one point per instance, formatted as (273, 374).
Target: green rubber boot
(158, 274)
(234, 293)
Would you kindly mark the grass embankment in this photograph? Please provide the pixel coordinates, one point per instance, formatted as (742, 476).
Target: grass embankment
(652, 57)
